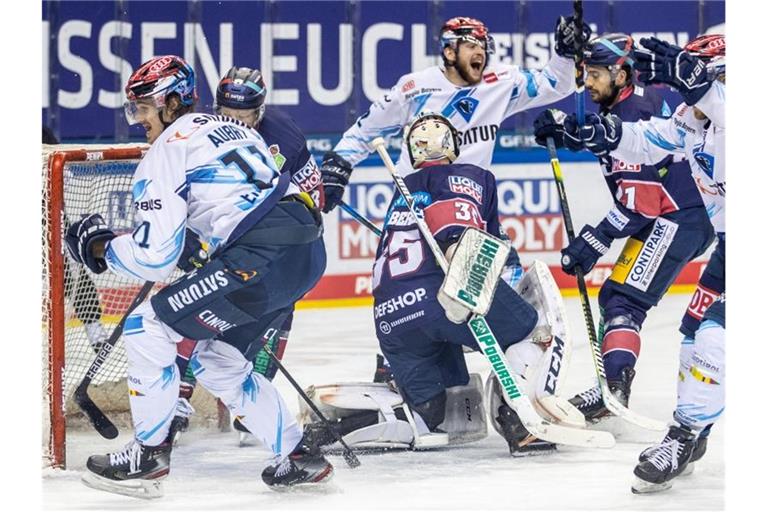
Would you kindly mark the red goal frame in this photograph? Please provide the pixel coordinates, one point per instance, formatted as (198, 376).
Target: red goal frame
(56, 319)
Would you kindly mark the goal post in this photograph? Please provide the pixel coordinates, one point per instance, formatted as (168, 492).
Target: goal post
(80, 309)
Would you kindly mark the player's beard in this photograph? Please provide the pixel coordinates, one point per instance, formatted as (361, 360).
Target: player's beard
(469, 74)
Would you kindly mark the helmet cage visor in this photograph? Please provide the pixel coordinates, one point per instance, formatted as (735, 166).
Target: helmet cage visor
(138, 110)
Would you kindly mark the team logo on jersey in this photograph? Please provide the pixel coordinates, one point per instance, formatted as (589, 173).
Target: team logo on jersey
(466, 107)
(274, 150)
(705, 161)
(466, 186)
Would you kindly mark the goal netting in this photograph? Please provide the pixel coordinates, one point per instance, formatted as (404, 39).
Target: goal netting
(81, 309)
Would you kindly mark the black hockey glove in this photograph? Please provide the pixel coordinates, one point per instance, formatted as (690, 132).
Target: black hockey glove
(599, 134)
(194, 254)
(549, 124)
(81, 237)
(565, 36)
(584, 251)
(335, 172)
(664, 63)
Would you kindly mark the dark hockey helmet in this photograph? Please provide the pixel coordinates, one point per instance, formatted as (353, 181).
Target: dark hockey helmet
(710, 49)
(158, 78)
(610, 50)
(431, 137)
(462, 28)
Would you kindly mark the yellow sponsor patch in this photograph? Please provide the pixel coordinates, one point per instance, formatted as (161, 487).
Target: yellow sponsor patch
(625, 261)
(703, 378)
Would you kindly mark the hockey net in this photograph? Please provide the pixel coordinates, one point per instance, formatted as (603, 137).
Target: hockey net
(80, 309)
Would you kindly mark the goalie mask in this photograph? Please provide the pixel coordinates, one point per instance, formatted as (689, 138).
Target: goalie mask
(431, 138)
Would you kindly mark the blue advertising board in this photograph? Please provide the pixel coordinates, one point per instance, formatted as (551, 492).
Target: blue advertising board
(324, 62)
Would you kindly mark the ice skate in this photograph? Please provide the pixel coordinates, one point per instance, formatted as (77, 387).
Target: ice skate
(303, 466)
(590, 403)
(136, 470)
(660, 464)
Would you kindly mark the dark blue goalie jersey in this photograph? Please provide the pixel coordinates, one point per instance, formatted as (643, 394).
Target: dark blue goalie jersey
(406, 276)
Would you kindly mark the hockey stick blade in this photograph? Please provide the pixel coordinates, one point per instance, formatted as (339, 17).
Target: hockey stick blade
(98, 419)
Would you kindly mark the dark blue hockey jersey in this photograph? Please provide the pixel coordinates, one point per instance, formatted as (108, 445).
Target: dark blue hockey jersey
(406, 276)
(643, 192)
(289, 149)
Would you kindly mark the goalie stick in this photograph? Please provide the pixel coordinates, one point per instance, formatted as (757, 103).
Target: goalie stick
(349, 456)
(536, 425)
(611, 402)
(98, 419)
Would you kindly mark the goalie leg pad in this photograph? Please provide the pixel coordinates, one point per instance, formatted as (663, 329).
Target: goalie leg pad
(394, 424)
(465, 418)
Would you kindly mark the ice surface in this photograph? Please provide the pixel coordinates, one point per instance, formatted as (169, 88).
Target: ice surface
(210, 472)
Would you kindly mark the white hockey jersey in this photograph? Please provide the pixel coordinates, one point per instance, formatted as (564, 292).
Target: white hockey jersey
(701, 142)
(211, 174)
(476, 111)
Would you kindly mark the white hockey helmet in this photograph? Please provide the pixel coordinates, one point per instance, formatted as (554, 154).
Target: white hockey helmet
(431, 137)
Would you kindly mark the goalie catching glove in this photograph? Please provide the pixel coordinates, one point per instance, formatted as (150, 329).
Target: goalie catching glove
(82, 237)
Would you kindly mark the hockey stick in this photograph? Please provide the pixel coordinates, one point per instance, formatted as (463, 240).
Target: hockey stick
(611, 402)
(100, 422)
(578, 14)
(359, 218)
(349, 456)
(536, 425)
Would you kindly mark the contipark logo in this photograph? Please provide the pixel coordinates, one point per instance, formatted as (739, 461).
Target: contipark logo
(652, 253)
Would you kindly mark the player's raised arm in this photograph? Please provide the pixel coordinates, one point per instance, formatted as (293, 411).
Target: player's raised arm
(535, 88)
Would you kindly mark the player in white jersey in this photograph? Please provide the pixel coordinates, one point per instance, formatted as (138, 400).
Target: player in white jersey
(215, 176)
(697, 131)
(474, 96)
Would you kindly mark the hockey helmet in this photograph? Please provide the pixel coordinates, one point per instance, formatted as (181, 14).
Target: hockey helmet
(157, 79)
(710, 49)
(242, 89)
(467, 29)
(610, 50)
(431, 137)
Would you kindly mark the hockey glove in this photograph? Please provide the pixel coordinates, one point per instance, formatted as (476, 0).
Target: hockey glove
(194, 254)
(565, 36)
(584, 251)
(664, 63)
(572, 134)
(599, 134)
(549, 123)
(335, 172)
(81, 237)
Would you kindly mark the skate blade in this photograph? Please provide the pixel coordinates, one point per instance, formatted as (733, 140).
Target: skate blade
(144, 489)
(640, 486)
